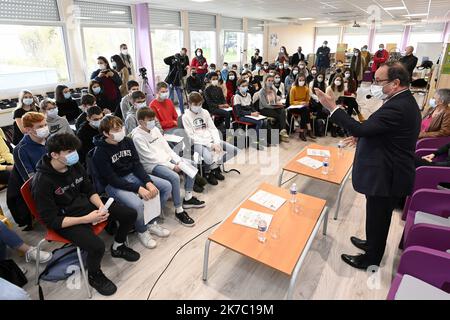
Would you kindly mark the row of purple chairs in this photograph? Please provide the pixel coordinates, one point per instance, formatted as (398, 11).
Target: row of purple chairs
(424, 269)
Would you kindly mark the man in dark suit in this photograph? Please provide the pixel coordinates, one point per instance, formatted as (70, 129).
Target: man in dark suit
(409, 60)
(297, 57)
(383, 168)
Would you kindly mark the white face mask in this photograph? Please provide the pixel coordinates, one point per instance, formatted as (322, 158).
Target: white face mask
(232, 78)
(102, 66)
(377, 91)
(301, 66)
(95, 124)
(295, 72)
(151, 124)
(125, 52)
(42, 133)
(347, 75)
(356, 54)
(119, 136)
(199, 54)
(53, 113)
(164, 95)
(337, 83)
(301, 83)
(196, 109)
(28, 101)
(141, 105)
(215, 82)
(277, 80)
(114, 64)
(320, 79)
(433, 103)
(313, 72)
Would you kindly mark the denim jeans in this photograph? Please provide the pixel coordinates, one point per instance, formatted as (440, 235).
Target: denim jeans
(9, 291)
(132, 200)
(179, 92)
(207, 155)
(173, 178)
(8, 238)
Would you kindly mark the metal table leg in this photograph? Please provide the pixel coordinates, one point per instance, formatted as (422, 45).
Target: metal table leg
(205, 260)
(340, 193)
(280, 178)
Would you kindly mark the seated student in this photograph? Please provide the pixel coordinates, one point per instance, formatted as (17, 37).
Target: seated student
(244, 107)
(231, 85)
(96, 89)
(68, 205)
(336, 89)
(138, 101)
(88, 131)
(126, 104)
(67, 107)
(350, 88)
(164, 108)
(436, 122)
(266, 67)
(258, 73)
(56, 123)
(216, 101)
(6, 161)
(26, 155)
(159, 160)
(193, 83)
(200, 128)
(212, 69)
(315, 105)
(121, 171)
(87, 101)
(270, 106)
(224, 72)
(279, 86)
(27, 103)
(299, 95)
(312, 75)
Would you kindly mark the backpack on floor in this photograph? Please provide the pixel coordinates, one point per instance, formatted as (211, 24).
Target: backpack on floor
(319, 127)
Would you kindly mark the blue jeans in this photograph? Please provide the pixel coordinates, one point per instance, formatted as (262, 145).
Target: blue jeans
(179, 92)
(9, 291)
(8, 238)
(167, 174)
(207, 155)
(133, 201)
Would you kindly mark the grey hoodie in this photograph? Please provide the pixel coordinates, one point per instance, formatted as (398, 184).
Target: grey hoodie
(59, 125)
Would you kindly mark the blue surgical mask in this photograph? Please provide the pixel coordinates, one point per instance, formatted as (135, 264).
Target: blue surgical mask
(28, 101)
(72, 158)
(67, 95)
(433, 103)
(244, 90)
(151, 124)
(53, 113)
(96, 90)
(95, 124)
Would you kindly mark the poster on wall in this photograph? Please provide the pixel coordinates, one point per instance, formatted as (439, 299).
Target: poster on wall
(274, 39)
(446, 61)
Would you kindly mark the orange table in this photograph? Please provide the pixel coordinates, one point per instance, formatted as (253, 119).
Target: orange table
(286, 253)
(338, 174)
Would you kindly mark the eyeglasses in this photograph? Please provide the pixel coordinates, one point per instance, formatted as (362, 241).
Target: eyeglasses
(377, 82)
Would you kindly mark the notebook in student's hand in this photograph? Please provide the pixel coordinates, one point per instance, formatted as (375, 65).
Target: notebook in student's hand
(296, 106)
(257, 118)
(228, 109)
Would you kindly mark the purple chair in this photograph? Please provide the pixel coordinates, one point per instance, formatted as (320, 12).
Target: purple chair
(429, 265)
(432, 143)
(427, 178)
(424, 152)
(436, 202)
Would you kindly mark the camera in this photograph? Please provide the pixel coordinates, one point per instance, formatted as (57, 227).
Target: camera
(143, 73)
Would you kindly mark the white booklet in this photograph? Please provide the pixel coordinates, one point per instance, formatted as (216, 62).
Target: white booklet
(260, 117)
(310, 162)
(250, 218)
(318, 153)
(268, 200)
(188, 169)
(173, 138)
(152, 209)
(228, 109)
(297, 106)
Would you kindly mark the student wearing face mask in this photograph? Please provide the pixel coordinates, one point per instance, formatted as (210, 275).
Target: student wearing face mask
(87, 101)
(224, 71)
(96, 89)
(212, 70)
(122, 174)
(138, 101)
(349, 98)
(216, 101)
(164, 108)
(323, 57)
(299, 95)
(200, 64)
(279, 86)
(161, 161)
(312, 75)
(120, 67)
(27, 103)
(231, 85)
(336, 90)
(356, 65)
(126, 104)
(56, 124)
(365, 58)
(282, 55)
(234, 68)
(88, 131)
(379, 57)
(193, 83)
(266, 67)
(436, 122)
(286, 72)
(178, 64)
(110, 82)
(315, 106)
(258, 73)
(256, 58)
(291, 79)
(67, 107)
(126, 58)
(26, 155)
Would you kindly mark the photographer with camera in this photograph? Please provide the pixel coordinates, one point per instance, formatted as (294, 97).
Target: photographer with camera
(179, 63)
(110, 83)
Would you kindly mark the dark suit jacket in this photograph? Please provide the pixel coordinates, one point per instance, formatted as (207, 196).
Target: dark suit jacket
(384, 159)
(296, 58)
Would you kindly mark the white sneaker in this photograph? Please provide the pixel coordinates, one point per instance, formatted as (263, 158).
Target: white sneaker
(146, 239)
(31, 255)
(158, 230)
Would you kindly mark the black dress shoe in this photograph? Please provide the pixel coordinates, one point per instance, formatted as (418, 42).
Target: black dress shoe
(359, 261)
(360, 244)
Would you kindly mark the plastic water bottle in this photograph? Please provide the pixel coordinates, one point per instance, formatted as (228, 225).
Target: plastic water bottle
(293, 191)
(325, 165)
(262, 229)
(340, 148)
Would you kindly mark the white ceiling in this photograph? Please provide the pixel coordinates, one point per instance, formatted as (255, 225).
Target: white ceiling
(319, 10)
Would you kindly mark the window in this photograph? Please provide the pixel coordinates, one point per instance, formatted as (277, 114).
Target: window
(356, 37)
(164, 43)
(389, 34)
(31, 56)
(426, 33)
(206, 40)
(99, 41)
(233, 47)
(255, 41)
(330, 34)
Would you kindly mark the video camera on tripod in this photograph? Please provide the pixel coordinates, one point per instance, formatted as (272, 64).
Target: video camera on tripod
(143, 73)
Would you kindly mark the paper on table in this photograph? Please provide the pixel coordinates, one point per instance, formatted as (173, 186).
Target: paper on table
(173, 138)
(257, 118)
(310, 162)
(268, 200)
(298, 106)
(318, 153)
(188, 169)
(152, 209)
(250, 218)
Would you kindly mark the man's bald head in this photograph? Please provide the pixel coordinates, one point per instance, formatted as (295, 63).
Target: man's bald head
(409, 50)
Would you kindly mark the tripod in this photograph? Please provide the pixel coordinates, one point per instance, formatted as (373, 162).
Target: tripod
(146, 89)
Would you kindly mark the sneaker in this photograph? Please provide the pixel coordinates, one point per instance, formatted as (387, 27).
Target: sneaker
(184, 219)
(211, 179)
(199, 180)
(146, 239)
(125, 253)
(158, 230)
(198, 188)
(311, 134)
(102, 284)
(193, 203)
(218, 174)
(284, 134)
(31, 255)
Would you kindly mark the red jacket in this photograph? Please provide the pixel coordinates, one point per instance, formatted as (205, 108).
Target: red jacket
(231, 90)
(195, 64)
(166, 113)
(378, 58)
